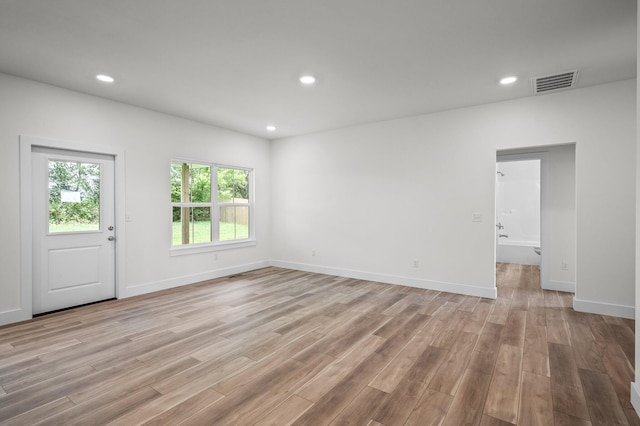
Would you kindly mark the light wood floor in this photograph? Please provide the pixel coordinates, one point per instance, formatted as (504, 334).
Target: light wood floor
(277, 347)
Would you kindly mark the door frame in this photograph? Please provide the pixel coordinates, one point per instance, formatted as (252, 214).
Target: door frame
(545, 229)
(26, 213)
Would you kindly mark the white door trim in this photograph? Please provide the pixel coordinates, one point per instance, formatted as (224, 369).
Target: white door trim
(26, 216)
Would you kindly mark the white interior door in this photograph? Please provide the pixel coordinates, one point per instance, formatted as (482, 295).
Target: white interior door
(73, 228)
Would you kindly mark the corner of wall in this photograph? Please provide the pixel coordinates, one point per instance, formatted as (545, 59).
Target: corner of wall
(14, 316)
(190, 279)
(601, 308)
(466, 289)
(635, 396)
(565, 286)
(635, 391)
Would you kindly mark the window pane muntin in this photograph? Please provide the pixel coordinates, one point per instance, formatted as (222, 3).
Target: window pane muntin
(200, 183)
(233, 185)
(201, 225)
(176, 230)
(234, 223)
(197, 223)
(190, 182)
(176, 182)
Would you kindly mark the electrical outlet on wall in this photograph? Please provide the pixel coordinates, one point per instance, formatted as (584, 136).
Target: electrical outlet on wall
(415, 263)
(313, 253)
(565, 265)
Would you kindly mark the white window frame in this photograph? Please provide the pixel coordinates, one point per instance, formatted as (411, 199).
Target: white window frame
(215, 244)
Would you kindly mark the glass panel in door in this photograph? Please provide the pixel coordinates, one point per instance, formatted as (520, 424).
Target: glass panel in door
(74, 196)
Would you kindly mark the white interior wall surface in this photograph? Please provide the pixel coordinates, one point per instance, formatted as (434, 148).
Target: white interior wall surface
(393, 201)
(150, 140)
(375, 201)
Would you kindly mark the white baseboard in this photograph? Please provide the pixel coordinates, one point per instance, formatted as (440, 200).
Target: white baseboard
(601, 308)
(470, 290)
(13, 316)
(565, 286)
(191, 279)
(635, 397)
(623, 311)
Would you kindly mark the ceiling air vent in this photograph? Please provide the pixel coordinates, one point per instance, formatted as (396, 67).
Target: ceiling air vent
(551, 83)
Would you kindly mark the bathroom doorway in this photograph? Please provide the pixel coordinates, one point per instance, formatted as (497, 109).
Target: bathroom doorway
(557, 214)
(520, 214)
(518, 211)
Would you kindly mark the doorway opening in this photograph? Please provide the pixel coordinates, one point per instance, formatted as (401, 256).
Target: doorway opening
(520, 211)
(529, 216)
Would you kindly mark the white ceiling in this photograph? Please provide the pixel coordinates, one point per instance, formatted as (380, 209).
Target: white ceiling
(236, 63)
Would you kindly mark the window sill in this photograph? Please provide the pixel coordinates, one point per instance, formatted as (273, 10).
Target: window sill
(207, 247)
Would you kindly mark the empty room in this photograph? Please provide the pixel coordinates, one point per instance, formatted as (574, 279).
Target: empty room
(319, 213)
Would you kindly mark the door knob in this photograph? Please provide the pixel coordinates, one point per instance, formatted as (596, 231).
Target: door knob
(111, 238)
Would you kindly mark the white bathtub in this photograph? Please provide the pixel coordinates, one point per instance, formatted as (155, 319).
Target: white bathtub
(521, 252)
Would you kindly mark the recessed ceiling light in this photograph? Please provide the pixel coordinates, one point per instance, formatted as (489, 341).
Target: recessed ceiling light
(508, 80)
(271, 128)
(307, 79)
(105, 78)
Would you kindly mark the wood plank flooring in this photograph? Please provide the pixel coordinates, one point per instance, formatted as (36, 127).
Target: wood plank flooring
(280, 347)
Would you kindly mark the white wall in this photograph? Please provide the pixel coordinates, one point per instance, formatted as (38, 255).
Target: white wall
(150, 140)
(635, 389)
(562, 205)
(370, 201)
(377, 197)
